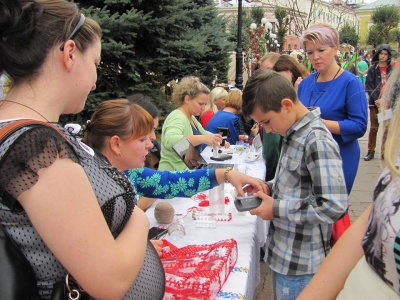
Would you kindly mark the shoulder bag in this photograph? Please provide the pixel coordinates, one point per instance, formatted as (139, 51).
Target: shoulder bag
(17, 278)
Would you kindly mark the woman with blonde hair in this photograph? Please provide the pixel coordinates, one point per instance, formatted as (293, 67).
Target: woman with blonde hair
(337, 92)
(191, 96)
(227, 117)
(215, 103)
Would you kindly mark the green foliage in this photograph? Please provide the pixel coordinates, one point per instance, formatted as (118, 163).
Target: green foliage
(375, 37)
(281, 16)
(257, 13)
(308, 64)
(348, 34)
(394, 36)
(385, 18)
(388, 15)
(146, 44)
(233, 28)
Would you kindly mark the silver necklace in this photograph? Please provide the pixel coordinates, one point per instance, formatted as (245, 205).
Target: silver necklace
(24, 105)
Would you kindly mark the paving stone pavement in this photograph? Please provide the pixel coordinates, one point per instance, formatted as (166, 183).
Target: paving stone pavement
(360, 198)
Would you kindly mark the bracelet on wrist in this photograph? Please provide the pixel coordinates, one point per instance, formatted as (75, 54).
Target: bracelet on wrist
(226, 174)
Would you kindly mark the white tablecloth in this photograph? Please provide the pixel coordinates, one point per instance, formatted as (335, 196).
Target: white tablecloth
(249, 232)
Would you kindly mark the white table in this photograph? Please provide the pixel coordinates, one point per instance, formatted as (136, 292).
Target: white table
(248, 231)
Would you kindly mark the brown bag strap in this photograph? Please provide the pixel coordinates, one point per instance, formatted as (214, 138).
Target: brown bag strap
(8, 129)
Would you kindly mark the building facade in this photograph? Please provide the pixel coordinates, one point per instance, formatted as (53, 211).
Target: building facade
(364, 13)
(302, 14)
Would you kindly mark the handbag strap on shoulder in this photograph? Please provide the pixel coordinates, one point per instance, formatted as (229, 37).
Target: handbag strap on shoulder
(10, 128)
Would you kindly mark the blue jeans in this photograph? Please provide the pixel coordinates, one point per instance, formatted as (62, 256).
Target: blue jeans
(288, 287)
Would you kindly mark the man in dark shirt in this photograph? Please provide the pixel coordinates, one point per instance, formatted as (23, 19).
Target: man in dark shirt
(376, 78)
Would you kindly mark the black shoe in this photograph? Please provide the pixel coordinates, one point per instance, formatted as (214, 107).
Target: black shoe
(369, 156)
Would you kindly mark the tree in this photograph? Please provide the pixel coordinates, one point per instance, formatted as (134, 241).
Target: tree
(281, 16)
(374, 36)
(348, 34)
(394, 36)
(146, 44)
(257, 13)
(300, 19)
(233, 27)
(385, 18)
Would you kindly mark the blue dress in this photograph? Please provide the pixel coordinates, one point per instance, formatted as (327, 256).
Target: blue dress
(342, 99)
(225, 119)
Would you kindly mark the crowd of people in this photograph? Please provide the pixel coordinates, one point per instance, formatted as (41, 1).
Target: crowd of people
(68, 207)
(75, 206)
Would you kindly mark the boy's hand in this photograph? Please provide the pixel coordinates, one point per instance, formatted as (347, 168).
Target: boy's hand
(265, 210)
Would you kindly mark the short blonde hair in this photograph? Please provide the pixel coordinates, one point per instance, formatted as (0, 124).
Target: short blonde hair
(216, 93)
(273, 56)
(234, 99)
(321, 33)
(188, 86)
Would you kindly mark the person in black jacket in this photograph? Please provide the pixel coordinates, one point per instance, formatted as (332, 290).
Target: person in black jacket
(376, 78)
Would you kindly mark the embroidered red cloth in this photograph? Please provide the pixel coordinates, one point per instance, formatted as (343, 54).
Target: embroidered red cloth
(198, 271)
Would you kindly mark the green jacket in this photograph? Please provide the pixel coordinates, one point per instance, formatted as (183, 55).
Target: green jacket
(175, 127)
(271, 151)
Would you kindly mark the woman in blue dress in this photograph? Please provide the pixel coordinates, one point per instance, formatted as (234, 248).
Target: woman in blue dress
(337, 92)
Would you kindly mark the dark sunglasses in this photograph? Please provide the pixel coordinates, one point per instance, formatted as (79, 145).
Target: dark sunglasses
(75, 31)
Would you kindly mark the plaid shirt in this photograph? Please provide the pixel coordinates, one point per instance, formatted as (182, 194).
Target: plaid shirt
(309, 193)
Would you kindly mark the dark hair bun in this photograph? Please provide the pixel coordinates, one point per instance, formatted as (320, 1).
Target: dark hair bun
(17, 20)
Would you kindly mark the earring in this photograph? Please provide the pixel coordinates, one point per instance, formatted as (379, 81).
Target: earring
(118, 157)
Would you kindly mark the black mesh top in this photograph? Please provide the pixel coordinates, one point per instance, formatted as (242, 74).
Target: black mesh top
(35, 147)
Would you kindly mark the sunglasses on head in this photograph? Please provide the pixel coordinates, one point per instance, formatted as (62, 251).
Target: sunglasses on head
(75, 31)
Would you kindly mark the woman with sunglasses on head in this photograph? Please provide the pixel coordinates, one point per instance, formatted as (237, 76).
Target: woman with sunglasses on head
(338, 94)
(191, 96)
(67, 210)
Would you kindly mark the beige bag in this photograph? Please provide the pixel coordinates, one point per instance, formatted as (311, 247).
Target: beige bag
(254, 129)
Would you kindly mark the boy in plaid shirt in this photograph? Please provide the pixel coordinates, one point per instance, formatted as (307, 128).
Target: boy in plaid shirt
(308, 192)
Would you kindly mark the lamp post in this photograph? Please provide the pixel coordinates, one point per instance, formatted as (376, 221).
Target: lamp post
(268, 27)
(270, 37)
(239, 49)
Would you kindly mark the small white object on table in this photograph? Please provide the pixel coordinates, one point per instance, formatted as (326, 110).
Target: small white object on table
(249, 156)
